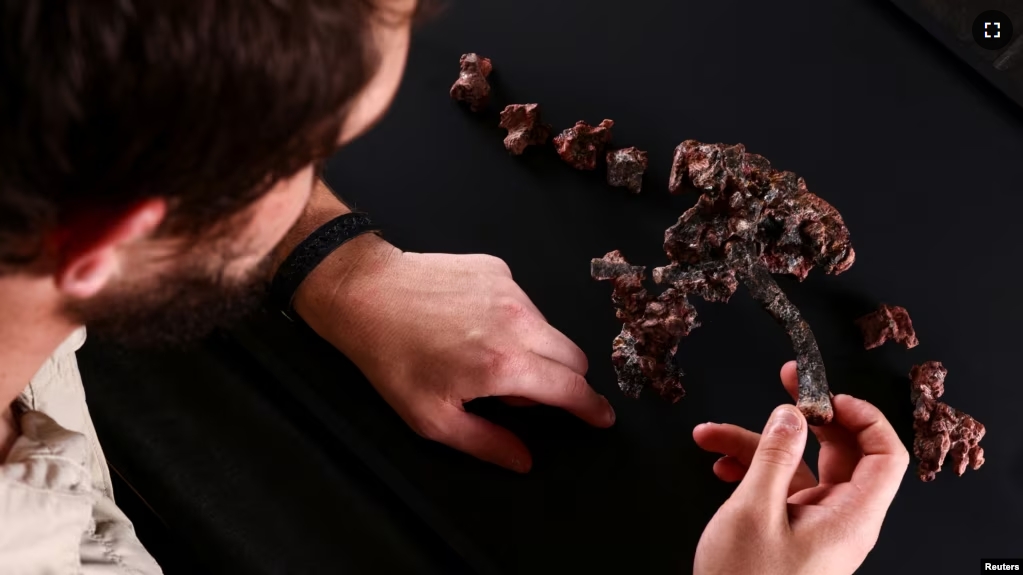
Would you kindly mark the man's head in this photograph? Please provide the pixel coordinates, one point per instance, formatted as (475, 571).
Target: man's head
(152, 154)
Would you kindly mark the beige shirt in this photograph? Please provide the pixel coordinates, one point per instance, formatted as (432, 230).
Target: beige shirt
(57, 512)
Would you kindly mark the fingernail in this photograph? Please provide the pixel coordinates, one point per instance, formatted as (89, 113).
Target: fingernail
(785, 418)
(610, 413)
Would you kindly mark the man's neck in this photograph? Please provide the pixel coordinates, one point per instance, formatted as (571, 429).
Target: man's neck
(31, 329)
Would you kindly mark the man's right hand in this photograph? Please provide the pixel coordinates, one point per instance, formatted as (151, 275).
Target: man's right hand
(781, 520)
(433, 332)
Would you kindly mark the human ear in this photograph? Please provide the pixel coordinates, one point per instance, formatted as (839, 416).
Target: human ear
(91, 246)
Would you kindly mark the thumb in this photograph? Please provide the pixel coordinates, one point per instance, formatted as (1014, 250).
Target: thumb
(776, 459)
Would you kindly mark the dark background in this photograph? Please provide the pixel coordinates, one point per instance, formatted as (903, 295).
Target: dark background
(265, 451)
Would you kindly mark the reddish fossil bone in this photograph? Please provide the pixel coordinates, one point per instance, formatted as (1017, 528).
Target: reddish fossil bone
(582, 144)
(888, 322)
(524, 127)
(652, 326)
(751, 221)
(625, 168)
(941, 430)
(471, 86)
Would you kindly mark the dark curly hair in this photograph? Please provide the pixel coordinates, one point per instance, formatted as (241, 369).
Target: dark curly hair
(206, 103)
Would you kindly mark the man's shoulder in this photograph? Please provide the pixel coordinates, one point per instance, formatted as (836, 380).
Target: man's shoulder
(52, 518)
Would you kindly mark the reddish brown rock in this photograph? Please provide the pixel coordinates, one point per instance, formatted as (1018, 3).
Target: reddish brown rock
(750, 222)
(643, 354)
(582, 144)
(888, 322)
(471, 86)
(524, 127)
(940, 430)
(625, 168)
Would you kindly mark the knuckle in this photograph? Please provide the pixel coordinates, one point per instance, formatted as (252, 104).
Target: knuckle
(512, 310)
(904, 459)
(775, 455)
(501, 266)
(498, 362)
(584, 362)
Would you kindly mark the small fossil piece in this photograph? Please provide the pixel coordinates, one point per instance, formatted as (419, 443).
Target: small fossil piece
(644, 352)
(940, 430)
(625, 168)
(471, 86)
(888, 322)
(524, 127)
(750, 222)
(581, 144)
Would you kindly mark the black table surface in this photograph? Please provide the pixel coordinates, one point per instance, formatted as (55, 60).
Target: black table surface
(919, 154)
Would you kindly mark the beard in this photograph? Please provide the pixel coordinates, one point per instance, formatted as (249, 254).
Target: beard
(174, 309)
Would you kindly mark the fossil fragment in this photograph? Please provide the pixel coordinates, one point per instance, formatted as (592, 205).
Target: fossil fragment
(581, 144)
(750, 222)
(643, 354)
(471, 86)
(625, 168)
(888, 322)
(524, 127)
(940, 430)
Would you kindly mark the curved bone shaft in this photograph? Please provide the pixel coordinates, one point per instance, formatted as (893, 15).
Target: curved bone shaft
(814, 395)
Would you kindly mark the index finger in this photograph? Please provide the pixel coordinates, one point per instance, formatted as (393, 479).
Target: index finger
(879, 473)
